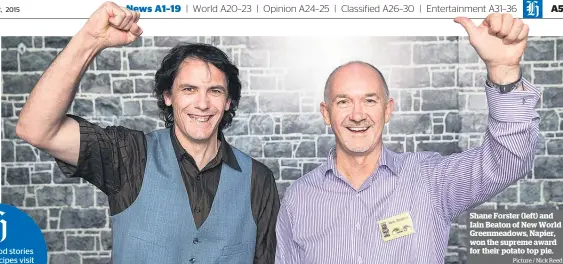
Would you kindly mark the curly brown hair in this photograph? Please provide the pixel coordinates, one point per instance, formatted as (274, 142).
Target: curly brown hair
(164, 77)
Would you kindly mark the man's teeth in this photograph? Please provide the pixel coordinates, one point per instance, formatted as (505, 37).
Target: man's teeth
(358, 128)
(200, 118)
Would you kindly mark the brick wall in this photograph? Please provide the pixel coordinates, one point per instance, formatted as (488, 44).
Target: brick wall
(436, 82)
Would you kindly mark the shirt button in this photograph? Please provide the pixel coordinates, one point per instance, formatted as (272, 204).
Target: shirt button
(358, 225)
(192, 260)
(196, 240)
(359, 260)
(197, 178)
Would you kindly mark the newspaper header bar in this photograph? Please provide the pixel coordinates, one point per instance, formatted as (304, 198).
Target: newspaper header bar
(282, 18)
(311, 9)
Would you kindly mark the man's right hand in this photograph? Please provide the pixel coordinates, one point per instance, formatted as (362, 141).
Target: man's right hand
(112, 26)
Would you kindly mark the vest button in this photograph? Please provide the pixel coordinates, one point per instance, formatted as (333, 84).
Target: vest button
(196, 240)
(192, 260)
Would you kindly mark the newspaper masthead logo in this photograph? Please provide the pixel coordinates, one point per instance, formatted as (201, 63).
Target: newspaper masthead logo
(532, 9)
(3, 228)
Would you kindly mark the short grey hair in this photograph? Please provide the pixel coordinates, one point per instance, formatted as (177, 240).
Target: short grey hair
(329, 79)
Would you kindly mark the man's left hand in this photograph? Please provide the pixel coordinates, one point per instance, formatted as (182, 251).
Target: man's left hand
(500, 41)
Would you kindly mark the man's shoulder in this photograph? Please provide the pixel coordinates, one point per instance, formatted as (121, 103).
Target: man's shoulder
(261, 169)
(307, 183)
(313, 177)
(151, 133)
(411, 160)
(400, 154)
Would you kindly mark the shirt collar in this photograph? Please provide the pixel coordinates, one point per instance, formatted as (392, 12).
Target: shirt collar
(225, 152)
(386, 159)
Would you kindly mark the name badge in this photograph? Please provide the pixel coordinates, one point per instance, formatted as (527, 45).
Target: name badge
(396, 226)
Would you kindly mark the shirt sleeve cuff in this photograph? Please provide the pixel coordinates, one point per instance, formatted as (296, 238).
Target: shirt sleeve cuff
(514, 106)
(67, 169)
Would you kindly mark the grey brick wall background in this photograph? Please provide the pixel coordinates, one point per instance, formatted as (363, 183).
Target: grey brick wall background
(436, 82)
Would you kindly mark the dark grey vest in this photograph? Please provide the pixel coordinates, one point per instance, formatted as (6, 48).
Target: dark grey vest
(158, 228)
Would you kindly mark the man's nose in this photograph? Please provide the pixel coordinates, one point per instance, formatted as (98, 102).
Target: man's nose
(202, 101)
(358, 113)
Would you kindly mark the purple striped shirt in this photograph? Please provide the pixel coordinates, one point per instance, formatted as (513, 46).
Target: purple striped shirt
(324, 220)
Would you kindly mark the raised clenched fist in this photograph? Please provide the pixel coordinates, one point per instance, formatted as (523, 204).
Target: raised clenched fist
(112, 25)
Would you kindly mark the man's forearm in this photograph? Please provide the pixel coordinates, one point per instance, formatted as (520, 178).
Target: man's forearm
(53, 94)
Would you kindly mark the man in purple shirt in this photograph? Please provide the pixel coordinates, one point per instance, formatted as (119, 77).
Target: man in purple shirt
(367, 204)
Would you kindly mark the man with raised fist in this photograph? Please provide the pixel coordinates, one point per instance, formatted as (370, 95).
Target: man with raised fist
(368, 204)
(177, 195)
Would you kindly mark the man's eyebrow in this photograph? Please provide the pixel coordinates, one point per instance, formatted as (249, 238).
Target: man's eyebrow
(366, 95)
(187, 85)
(373, 95)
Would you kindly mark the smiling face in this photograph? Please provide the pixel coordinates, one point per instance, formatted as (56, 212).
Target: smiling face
(199, 98)
(357, 108)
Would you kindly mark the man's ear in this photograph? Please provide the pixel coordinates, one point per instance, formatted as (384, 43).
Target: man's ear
(228, 104)
(389, 108)
(325, 112)
(167, 97)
